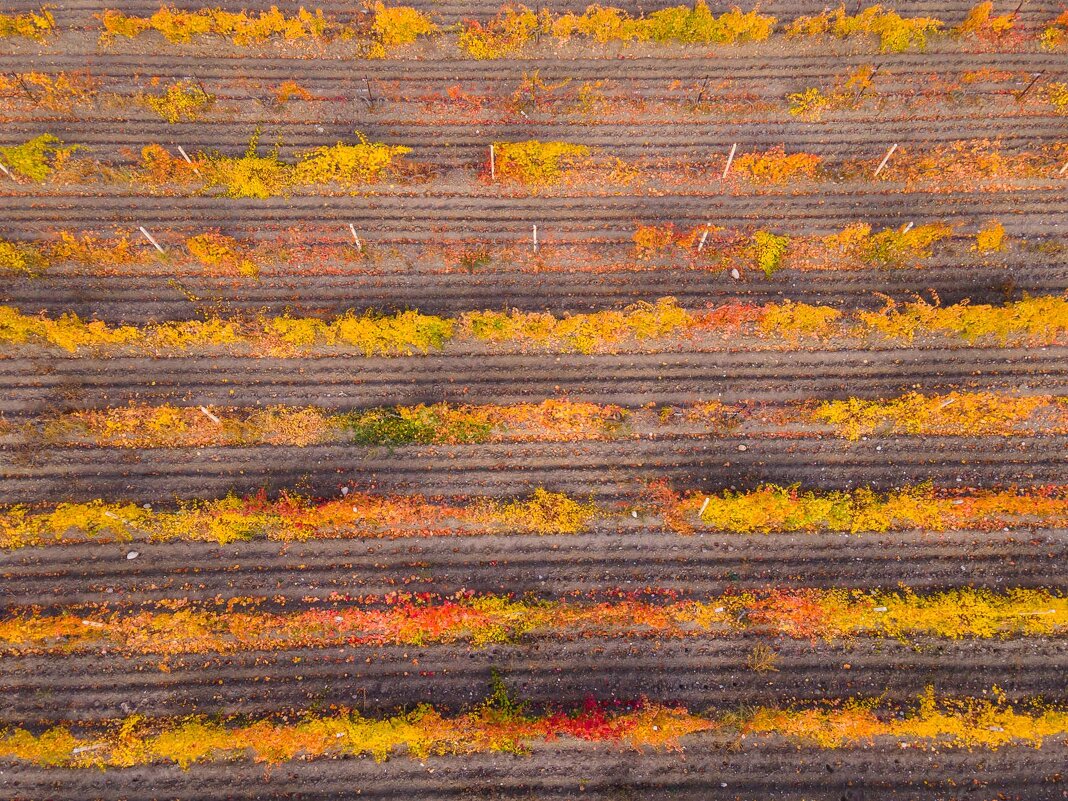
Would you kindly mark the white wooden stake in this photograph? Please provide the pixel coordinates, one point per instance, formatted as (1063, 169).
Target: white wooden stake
(730, 161)
(8, 174)
(949, 402)
(188, 160)
(701, 244)
(704, 506)
(535, 239)
(493, 164)
(359, 246)
(1064, 169)
(907, 228)
(148, 236)
(886, 158)
(204, 411)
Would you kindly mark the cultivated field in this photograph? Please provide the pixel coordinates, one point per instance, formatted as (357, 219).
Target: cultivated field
(456, 401)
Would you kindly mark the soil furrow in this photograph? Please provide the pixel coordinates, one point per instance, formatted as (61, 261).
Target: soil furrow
(124, 299)
(604, 470)
(568, 769)
(57, 383)
(458, 144)
(559, 219)
(544, 671)
(695, 566)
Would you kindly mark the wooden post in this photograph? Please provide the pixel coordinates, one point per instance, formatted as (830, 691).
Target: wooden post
(493, 164)
(704, 506)
(886, 158)
(187, 159)
(204, 411)
(359, 245)
(730, 161)
(535, 239)
(26, 89)
(701, 244)
(148, 236)
(8, 174)
(907, 228)
(1020, 95)
(1064, 169)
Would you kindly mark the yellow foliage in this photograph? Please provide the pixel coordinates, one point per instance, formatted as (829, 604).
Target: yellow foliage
(288, 90)
(502, 724)
(1041, 319)
(251, 175)
(363, 162)
(404, 333)
(399, 25)
(772, 508)
(505, 35)
(696, 25)
(182, 100)
(1057, 95)
(32, 25)
(584, 333)
(535, 163)
(1056, 33)
(791, 320)
(955, 414)
(90, 249)
(991, 239)
(221, 254)
(21, 258)
(809, 103)
(67, 332)
(256, 176)
(776, 167)
(812, 102)
(650, 240)
(980, 22)
(544, 513)
(896, 33)
(892, 247)
(242, 28)
(56, 92)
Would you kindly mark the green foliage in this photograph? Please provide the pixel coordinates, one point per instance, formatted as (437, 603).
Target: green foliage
(767, 250)
(38, 158)
(418, 425)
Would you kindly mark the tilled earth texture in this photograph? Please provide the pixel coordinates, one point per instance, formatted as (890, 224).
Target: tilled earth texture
(464, 401)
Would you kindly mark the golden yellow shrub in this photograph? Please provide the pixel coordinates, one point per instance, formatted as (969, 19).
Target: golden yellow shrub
(991, 239)
(363, 162)
(221, 254)
(505, 35)
(36, 25)
(982, 23)
(776, 166)
(954, 414)
(182, 100)
(896, 33)
(535, 163)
